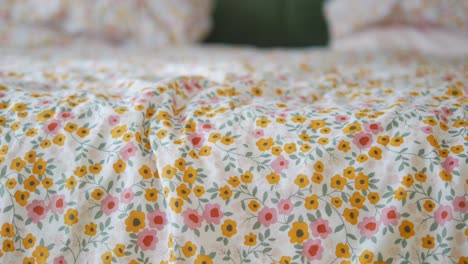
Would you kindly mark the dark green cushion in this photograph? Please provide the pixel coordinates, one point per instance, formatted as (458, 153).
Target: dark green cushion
(269, 22)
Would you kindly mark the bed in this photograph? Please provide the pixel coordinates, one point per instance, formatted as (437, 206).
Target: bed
(232, 154)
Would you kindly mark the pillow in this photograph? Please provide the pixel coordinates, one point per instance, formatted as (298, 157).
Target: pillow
(140, 22)
(422, 25)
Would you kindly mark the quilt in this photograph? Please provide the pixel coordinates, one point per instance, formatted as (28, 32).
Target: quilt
(232, 155)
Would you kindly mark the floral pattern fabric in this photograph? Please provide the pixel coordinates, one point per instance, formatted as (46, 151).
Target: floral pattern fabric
(227, 155)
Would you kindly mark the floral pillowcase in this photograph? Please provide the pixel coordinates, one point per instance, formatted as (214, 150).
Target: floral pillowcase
(30, 23)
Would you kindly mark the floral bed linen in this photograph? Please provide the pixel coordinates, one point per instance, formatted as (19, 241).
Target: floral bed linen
(232, 155)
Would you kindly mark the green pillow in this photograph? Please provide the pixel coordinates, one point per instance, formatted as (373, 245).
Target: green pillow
(269, 22)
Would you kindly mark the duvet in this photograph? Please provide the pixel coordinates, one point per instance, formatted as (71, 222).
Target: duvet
(232, 155)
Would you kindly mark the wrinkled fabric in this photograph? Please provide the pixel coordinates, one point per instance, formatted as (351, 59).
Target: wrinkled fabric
(213, 155)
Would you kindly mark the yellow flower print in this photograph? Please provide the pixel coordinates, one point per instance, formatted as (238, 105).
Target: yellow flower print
(322, 141)
(189, 249)
(30, 156)
(445, 176)
(406, 229)
(106, 257)
(280, 120)
(151, 195)
(4, 150)
(40, 167)
(119, 250)
(396, 141)
(457, 149)
(80, 171)
(145, 172)
(298, 119)
(305, 148)
(351, 215)
(234, 181)
(203, 259)
(357, 200)
(190, 175)
(257, 91)
(227, 140)
(454, 91)
(430, 121)
(298, 233)
(318, 166)
(336, 201)
(21, 197)
(352, 128)
(325, 130)
(344, 146)
(18, 107)
(305, 137)
(127, 136)
(17, 164)
(31, 183)
(317, 124)
(183, 191)
(433, 141)
(373, 197)
(168, 172)
(290, 148)
(264, 144)
(214, 137)
(205, 151)
(285, 260)
(8, 230)
(301, 180)
(97, 194)
(317, 178)
(199, 191)
(342, 251)
(250, 239)
(362, 158)
(119, 166)
(362, 182)
(399, 194)
(366, 257)
(338, 182)
(45, 115)
(408, 180)
(273, 178)
(11, 183)
(161, 134)
(254, 205)
(429, 206)
(444, 153)
(82, 132)
(180, 164)
(176, 204)
(15, 126)
(45, 144)
(311, 202)
(383, 140)
(225, 192)
(70, 127)
(229, 228)
(95, 169)
(135, 221)
(59, 139)
(71, 217)
(428, 242)
(375, 152)
(247, 177)
(90, 229)
(263, 122)
(29, 241)
(8, 245)
(420, 176)
(118, 131)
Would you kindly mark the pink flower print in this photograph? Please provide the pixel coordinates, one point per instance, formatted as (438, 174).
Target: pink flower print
(113, 120)
(157, 219)
(363, 140)
(374, 128)
(192, 219)
(57, 204)
(147, 239)
(320, 228)
(341, 118)
(37, 210)
(390, 216)
(460, 204)
(213, 214)
(449, 164)
(443, 214)
(197, 140)
(109, 205)
(267, 216)
(426, 129)
(66, 115)
(60, 260)
(191, 85)
(312, 249)
(258, 133)
(128, 151)
(45, 102)
(206, 127)
(52, 127)
(279, 164)
(368, 227)
(127, 195)
(285, 207)
(447, 111)
(444, 119)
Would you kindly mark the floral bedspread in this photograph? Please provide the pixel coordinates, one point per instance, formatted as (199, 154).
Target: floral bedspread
(232, 155)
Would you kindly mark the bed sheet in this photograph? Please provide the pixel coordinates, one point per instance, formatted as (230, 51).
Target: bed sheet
(232, 155)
